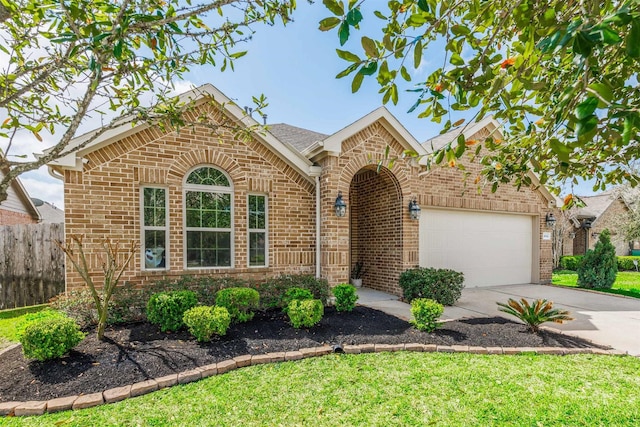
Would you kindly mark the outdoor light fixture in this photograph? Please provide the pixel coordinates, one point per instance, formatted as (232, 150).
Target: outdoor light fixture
(550, 220)
(340, 205)
(595, 234)
(414, 209)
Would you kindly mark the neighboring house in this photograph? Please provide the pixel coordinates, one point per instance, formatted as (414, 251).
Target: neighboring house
(206, 204)
(18, 207)
(49, 213)
(602, 211)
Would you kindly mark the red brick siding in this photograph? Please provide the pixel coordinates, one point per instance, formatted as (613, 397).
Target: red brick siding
(15, 218)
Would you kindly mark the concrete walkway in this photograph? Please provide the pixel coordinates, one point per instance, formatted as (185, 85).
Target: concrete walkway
(604, 319)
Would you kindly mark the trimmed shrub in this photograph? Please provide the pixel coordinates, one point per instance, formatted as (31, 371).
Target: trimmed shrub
(35, 317)
(167, 309)
(625, 263)
(204, 321)
(295, 293)
(346, 297)
(599, 266)
(272, 291)
(443, 285)
(426, 313)
(305, 313)
(570, 262)
(240, 302)
(50, 337)
(535, 313)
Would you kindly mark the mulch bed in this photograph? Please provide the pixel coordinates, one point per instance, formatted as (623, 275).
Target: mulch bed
(136, 352)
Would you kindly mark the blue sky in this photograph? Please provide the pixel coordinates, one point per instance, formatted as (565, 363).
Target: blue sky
(295, 68)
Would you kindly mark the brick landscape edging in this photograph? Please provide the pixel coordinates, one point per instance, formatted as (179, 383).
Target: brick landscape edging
(138, 389)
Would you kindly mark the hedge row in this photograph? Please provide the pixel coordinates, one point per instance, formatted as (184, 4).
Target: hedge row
(625, 263)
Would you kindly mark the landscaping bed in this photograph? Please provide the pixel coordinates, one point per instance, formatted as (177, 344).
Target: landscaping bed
(139, 351)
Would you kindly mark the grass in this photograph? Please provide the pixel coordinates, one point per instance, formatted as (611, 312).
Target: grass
(627, 282)
(390, 389)
(9, 319)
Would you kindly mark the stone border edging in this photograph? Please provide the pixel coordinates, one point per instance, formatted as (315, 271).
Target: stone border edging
(117, 394)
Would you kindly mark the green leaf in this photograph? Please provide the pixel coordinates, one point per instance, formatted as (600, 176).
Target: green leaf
(460, 148)
(350, 69)
(334, 6)
(368, 69)
(405, 74)
(380, 15)
(460, 30)
(417, 54)
(343, 33)
(439, 157)
(586, 108)
(633, 39)
(357, 82)
(603, 90)
(423, 5)
(347, 56)
(627, 133)
(329, 23)
(238, 54)
(586, 125)
(394, 94)
(561, 150)
(117, 49)
(456, 60)
(354, 17)
(582, 45)
(369, 47)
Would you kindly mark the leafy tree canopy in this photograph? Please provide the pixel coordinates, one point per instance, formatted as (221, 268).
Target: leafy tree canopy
(561, 76)
(66, 61)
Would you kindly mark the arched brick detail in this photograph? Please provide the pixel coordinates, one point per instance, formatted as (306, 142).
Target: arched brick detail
(366, 161)
(187, 161)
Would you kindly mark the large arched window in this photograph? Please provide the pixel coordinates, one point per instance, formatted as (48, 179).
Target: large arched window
(208, 201)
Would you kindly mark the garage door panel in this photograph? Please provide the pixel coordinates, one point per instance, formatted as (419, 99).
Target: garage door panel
(489, 248)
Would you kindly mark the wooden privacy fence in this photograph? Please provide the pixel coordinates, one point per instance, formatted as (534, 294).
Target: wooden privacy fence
(31, 264)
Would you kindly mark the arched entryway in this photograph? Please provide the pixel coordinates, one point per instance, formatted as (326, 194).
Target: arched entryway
(376, 227)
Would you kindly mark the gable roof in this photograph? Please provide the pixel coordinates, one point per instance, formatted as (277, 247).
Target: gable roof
(469, 129)
(18, 199)
(299, 138)
(74, 160)
(596, 205)
(333, 143)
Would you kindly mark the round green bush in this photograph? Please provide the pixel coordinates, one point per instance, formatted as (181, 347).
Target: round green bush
(295, 293)
(305, 313)
(346, 297)
(442, 285)
(50, 337)
(34, 317)
(205, 321)
(240, 302)
(426, 313)
(167, 308)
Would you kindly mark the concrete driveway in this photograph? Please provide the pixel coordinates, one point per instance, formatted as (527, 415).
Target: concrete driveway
(601, 318)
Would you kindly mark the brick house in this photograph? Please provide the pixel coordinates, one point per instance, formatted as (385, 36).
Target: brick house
(602, 211)
(18, 208)
(206, 204)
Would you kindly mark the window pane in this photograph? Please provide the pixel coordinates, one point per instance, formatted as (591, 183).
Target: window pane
(257, 252)
(257, 212)
(208, 176)
(154, 207)
(154, 248)
(208, 249)
(193, 218)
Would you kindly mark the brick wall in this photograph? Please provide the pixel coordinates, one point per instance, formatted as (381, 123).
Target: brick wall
(381, 244)
(104, 199)
(15, 218)
(613, 219)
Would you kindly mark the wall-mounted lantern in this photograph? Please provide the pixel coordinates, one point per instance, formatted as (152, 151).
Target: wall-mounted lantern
(340, 206)
(595, 234)
(414, 209)
(550, 220)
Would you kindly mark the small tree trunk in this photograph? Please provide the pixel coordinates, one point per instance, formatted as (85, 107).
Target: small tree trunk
(102, 322)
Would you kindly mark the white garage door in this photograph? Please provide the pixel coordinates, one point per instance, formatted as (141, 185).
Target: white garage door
(490, 249)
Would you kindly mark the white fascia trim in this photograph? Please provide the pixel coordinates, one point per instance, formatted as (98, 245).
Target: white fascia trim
(293, 158)
(334, 142)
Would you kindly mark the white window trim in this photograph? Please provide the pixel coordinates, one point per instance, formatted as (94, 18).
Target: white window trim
(209, 189)
(259, 230)
(144, 228)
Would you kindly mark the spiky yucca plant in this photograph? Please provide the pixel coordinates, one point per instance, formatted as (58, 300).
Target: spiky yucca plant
(535, 313)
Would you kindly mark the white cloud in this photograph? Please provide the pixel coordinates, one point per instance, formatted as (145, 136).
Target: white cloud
(41, 185)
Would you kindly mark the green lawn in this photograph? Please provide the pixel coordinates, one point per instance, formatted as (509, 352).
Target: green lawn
(627, 282)
(9, 319)
(385, 389)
